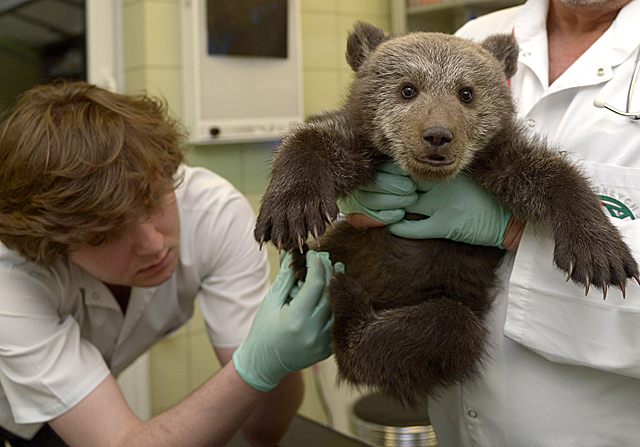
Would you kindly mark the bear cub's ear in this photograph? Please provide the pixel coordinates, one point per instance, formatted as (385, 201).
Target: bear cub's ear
(505, 48)
(362, 41)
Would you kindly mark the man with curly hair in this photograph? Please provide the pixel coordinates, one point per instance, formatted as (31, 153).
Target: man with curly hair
(107, 239)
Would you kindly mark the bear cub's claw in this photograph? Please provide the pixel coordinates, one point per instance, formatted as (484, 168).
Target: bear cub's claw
(288, 217)
(597, 263)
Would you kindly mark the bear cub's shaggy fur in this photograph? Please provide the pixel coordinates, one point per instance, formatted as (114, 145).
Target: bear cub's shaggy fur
(409, 314)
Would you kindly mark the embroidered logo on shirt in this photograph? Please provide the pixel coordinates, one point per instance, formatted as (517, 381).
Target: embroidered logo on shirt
(618, 209)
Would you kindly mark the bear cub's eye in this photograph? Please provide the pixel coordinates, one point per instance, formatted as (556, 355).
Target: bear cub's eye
(409, 91)
(466, 94)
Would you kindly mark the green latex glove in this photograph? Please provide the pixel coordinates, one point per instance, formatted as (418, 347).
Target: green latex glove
(459, 210)
(385, 199)
(289, 333)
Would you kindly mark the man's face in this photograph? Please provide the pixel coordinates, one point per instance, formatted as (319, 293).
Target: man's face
(144, 255)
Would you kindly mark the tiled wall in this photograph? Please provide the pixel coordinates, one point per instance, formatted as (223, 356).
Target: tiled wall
(325, 25)
(184, 360)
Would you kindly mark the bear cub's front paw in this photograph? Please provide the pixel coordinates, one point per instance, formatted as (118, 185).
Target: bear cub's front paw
(287, 218)
(600, 259)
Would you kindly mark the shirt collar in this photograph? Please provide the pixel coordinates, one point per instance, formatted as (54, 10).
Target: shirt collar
(621, 41)
(530, 31)
(624, 33)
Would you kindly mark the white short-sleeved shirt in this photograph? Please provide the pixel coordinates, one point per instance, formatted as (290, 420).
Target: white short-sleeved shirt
(62, 331)
(564, 367)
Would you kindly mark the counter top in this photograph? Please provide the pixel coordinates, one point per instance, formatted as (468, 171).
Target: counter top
(307, 433)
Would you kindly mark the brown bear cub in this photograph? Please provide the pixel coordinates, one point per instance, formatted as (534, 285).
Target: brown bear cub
(409, 314)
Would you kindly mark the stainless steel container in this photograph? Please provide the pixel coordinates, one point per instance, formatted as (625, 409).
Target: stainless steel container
(383, 422)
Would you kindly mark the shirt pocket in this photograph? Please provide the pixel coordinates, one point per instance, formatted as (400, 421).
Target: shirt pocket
(553, 317)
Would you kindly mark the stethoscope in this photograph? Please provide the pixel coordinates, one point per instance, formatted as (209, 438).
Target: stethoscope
(601, 103)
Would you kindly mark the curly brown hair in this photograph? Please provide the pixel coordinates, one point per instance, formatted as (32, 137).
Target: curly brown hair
(78, 163)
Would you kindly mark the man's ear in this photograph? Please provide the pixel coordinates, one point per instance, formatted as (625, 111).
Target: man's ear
(505, 48)
(362, 41)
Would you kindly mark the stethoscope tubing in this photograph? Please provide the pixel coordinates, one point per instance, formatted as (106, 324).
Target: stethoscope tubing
(601, 103)
(633, 83)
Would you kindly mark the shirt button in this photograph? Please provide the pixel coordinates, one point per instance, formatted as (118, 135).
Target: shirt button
(95, 296)
(601, 71)
(531, 123)
(526, 54)
(472, 414)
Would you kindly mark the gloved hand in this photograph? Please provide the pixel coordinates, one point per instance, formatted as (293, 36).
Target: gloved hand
(459, 210)
(385, 199)
(289, 333)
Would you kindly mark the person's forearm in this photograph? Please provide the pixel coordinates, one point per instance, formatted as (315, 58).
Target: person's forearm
(208, 417)
(271, 418)
(512, 235)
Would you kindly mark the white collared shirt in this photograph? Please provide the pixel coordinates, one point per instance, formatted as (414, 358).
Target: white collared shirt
(564, 368)
(62, 331)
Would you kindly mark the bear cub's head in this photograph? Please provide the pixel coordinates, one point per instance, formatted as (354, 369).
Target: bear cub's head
(430, 100)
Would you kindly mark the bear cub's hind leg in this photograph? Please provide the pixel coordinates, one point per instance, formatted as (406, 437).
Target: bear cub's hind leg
(405, 352)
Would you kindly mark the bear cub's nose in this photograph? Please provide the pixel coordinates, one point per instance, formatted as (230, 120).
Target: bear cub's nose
(437, 136)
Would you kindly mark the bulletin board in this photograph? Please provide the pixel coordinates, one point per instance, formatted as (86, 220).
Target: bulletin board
(242, 69)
